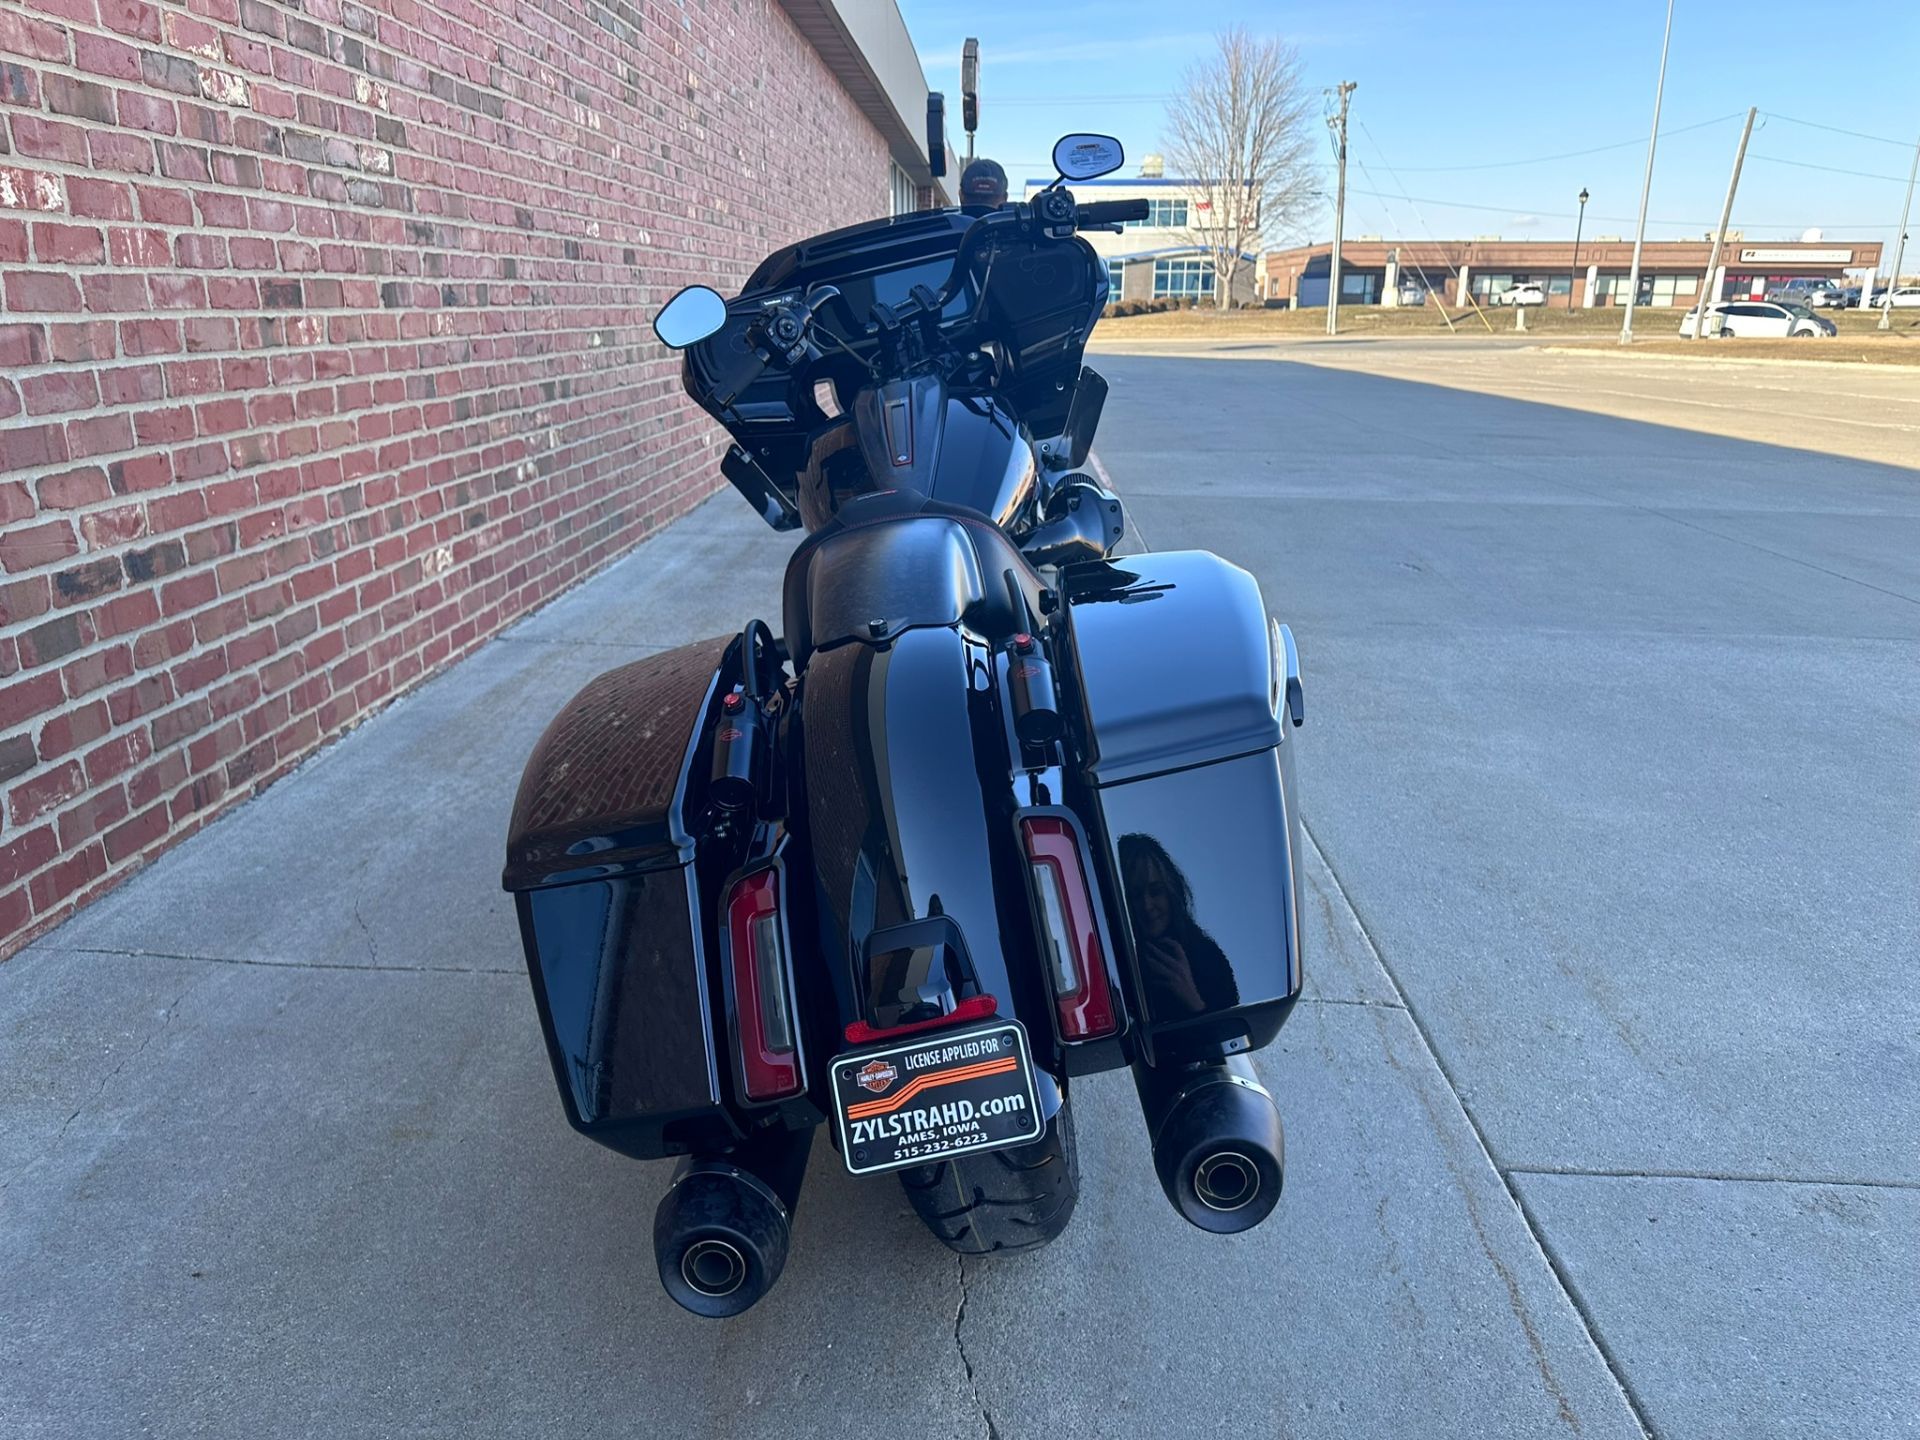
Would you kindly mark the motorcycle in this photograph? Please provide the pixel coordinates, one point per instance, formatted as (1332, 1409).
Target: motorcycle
(997, 809)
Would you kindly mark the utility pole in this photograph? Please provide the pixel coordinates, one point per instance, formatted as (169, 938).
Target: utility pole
(1646, 186)
(1339, 127)
(1707, 297)
(1899, 245)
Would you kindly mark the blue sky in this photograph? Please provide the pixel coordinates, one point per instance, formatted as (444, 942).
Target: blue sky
(1499, 87)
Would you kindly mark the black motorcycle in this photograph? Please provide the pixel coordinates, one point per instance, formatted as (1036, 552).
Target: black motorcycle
(995, 810)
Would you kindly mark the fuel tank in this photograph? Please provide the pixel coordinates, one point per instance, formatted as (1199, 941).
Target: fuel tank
(915, 434)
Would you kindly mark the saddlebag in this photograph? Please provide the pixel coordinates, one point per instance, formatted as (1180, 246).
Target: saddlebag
(601, 864)
(1185, 689)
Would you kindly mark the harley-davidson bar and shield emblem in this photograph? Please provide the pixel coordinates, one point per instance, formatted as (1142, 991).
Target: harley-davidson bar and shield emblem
(876, 1075)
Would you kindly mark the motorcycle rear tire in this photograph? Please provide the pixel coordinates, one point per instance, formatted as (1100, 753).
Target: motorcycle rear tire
(1003, 1201)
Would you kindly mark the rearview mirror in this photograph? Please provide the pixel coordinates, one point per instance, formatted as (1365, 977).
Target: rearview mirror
(690, 317)
(1082, 157)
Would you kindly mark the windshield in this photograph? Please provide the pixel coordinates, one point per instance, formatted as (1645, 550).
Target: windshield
(1799, 312)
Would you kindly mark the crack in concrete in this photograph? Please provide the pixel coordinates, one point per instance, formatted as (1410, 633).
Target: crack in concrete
(960, 1344)
(287, 964)
(1716, 1177)
(1515, 1299)
(373, 945)
(166, 1019)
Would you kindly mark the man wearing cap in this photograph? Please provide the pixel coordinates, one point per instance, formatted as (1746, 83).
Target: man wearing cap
(983, 185)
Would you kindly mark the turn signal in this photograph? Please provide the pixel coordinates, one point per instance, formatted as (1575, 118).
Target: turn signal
(757, 955)
(1076, 961)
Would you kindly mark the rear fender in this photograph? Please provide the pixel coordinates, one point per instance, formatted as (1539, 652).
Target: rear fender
(907, 804)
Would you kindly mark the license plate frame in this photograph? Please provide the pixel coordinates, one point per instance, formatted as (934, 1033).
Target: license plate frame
(988, 1069)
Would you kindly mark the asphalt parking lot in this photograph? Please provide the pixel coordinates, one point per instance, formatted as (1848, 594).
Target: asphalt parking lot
(1602, 1106)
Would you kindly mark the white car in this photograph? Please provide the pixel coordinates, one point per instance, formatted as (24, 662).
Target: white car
(1527, 292)
(1905, 297)
(1761, 319)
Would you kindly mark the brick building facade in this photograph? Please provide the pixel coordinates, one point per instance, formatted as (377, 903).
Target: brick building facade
(324, 353)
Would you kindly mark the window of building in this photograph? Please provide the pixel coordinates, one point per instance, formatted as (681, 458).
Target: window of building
(1162, 215)
(901, 193)
(1183, 275)
(1116, 284)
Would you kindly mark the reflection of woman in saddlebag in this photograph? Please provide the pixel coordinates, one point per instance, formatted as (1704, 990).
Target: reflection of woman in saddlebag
(1185, 972)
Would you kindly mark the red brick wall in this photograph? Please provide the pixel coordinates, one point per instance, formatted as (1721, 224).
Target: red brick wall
(324, 355)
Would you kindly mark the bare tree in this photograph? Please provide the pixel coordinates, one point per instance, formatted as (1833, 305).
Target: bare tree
(1238, 128)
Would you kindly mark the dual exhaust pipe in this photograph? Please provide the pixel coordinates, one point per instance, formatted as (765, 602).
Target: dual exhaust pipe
(722, 1230)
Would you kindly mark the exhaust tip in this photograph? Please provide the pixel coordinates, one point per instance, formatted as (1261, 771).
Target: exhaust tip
(714, 1268)
(1226, 1181)
(720, 1240)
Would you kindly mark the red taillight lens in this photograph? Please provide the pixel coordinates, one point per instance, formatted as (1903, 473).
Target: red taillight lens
(769, 1054)
(975, 1007)
(1076, 961)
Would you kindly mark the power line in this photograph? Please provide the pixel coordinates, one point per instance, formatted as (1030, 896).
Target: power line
(1518, 210)
(1140, 98)
(1565, 154)
(1837, 130)
(1830, 169)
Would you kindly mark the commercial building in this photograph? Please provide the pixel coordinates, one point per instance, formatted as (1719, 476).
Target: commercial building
(1162, 256)
(1374, 271)
(326, 354)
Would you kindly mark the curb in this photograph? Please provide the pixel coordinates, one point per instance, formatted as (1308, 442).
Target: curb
(1625, 352)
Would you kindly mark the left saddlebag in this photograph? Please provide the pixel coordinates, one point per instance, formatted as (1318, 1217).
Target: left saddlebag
(601, 863)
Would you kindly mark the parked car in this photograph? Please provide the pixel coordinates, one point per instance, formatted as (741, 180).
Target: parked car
(1792, 292)
(1761, 319)
(1527, 292)
(1905, 297)
(1831, 296)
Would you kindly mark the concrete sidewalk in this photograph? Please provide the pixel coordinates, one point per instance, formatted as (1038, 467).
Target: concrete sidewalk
(280, 1154)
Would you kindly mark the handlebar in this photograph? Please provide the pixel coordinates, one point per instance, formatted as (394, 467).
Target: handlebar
(1111, 212)
(780, 335)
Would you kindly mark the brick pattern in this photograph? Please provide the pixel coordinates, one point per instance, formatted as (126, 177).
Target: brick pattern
(324, 354)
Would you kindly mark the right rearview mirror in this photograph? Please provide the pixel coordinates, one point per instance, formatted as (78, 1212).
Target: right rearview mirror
(690, 317)
(1082, 157)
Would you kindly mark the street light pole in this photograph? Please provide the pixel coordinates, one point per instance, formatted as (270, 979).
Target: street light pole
(1573, 271)
(1646, 186)
(1899, 245)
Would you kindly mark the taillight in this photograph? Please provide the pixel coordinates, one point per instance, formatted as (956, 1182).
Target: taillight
(769, 1052)
(974, 1007)
(1076, 961)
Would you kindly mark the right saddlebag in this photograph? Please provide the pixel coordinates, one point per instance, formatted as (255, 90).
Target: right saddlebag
(1184, 687)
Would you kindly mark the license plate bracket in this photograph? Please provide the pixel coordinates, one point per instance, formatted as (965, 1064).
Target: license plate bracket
(923, 1100)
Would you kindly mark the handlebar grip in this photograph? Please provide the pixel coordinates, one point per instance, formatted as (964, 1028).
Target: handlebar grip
(1108, 212)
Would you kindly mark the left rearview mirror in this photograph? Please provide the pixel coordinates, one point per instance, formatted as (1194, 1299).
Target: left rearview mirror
(1082, 157)
(690, 317)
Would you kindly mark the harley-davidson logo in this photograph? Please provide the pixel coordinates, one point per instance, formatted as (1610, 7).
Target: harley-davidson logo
(876, 1075)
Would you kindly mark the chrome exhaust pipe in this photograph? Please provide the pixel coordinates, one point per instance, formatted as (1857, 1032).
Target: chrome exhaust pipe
(721, 1232)
(1218, 1145)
